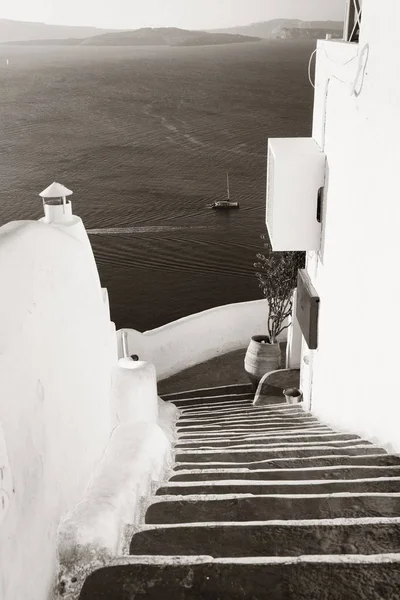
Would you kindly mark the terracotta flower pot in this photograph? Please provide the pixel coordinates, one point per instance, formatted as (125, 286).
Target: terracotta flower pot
(261, 358)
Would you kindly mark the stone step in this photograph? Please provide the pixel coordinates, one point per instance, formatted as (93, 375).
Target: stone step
(379, 459)
(241, 455)
(259, 487)
(202, 508)
(238, 405)
(281, 406)
(243, 429)
(281, 539)
(281, 409)
(241, 410)
(246, 411)
(217, 407)
(253, 421)
(270, 444)
(237, 388)
(221, 399)
(283, 413)
(307, 578)
(233, 435)
(263, 439)
(253, 417)
(311, 473)
(256, 434)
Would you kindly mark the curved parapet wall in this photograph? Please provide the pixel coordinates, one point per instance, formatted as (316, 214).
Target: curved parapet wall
(197, 338)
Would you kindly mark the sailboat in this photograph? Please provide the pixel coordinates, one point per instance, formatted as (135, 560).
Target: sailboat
(225, 203)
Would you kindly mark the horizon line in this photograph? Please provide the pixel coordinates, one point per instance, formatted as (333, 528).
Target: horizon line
(164, 26)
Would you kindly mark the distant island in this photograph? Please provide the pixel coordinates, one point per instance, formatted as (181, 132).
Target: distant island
(166, 36)
(148, 36)
(24, 33)
(295, 33)
(287, 29)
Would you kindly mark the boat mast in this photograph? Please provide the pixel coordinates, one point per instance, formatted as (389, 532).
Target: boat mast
(227, 186)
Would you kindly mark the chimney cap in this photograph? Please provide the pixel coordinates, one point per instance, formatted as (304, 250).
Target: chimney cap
(56, 190)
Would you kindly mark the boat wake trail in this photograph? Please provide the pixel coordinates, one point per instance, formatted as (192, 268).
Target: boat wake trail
(144, 229)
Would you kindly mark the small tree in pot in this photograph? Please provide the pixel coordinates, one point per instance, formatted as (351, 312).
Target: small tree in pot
(277, 276)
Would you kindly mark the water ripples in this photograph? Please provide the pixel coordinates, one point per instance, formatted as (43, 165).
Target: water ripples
(144, 229)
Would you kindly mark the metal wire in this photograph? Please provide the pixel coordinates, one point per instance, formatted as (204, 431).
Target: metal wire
(309, 68)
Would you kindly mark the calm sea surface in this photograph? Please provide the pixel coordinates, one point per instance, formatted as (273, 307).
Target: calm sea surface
(144, 137)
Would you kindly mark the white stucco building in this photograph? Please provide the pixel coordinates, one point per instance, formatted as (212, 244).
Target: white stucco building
(350, 379)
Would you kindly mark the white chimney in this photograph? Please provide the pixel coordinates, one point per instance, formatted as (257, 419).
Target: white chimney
(57, 206)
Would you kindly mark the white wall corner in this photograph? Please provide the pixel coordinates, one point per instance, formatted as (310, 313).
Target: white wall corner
(106, 302)
(6, 480)
(134, 392)
(294, 340)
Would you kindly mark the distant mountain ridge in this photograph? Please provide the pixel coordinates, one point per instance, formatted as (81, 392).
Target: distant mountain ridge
(12, 31)
(147, 36)
(27, 33)
(272, 29)
(165, 36)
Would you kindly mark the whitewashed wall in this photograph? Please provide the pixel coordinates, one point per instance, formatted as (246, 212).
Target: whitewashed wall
(56, 358)
(357, 271)
(199, 337)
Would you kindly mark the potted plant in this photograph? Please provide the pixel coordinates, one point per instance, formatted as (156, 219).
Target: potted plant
(293, 396)
(277, 276)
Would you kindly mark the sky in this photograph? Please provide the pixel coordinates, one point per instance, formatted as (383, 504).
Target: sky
(189, 14)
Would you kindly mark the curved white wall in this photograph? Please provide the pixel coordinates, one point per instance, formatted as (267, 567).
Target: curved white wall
(56, 359)
(200, 337)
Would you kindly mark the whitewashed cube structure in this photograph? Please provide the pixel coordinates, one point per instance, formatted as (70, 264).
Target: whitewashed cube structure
(295, 177)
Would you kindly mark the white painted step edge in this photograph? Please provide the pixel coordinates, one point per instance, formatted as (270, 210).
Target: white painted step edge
(238, 404)
(283, 445)
(314, 446)
(237, 410)
(293, 469)
(355, 559)
(266, 436)
(212, 497)
(246, 420)
(279, 482)
(267, 409)
(338, 522)
(259, 432)
(246, 403)
(296, 417)
(246, 427)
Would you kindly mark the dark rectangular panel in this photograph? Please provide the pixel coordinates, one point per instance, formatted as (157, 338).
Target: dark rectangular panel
(307, 306)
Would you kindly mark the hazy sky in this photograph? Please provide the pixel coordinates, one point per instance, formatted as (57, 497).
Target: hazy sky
(191, 14)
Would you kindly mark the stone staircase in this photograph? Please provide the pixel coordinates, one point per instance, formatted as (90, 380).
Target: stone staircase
(263, 503)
